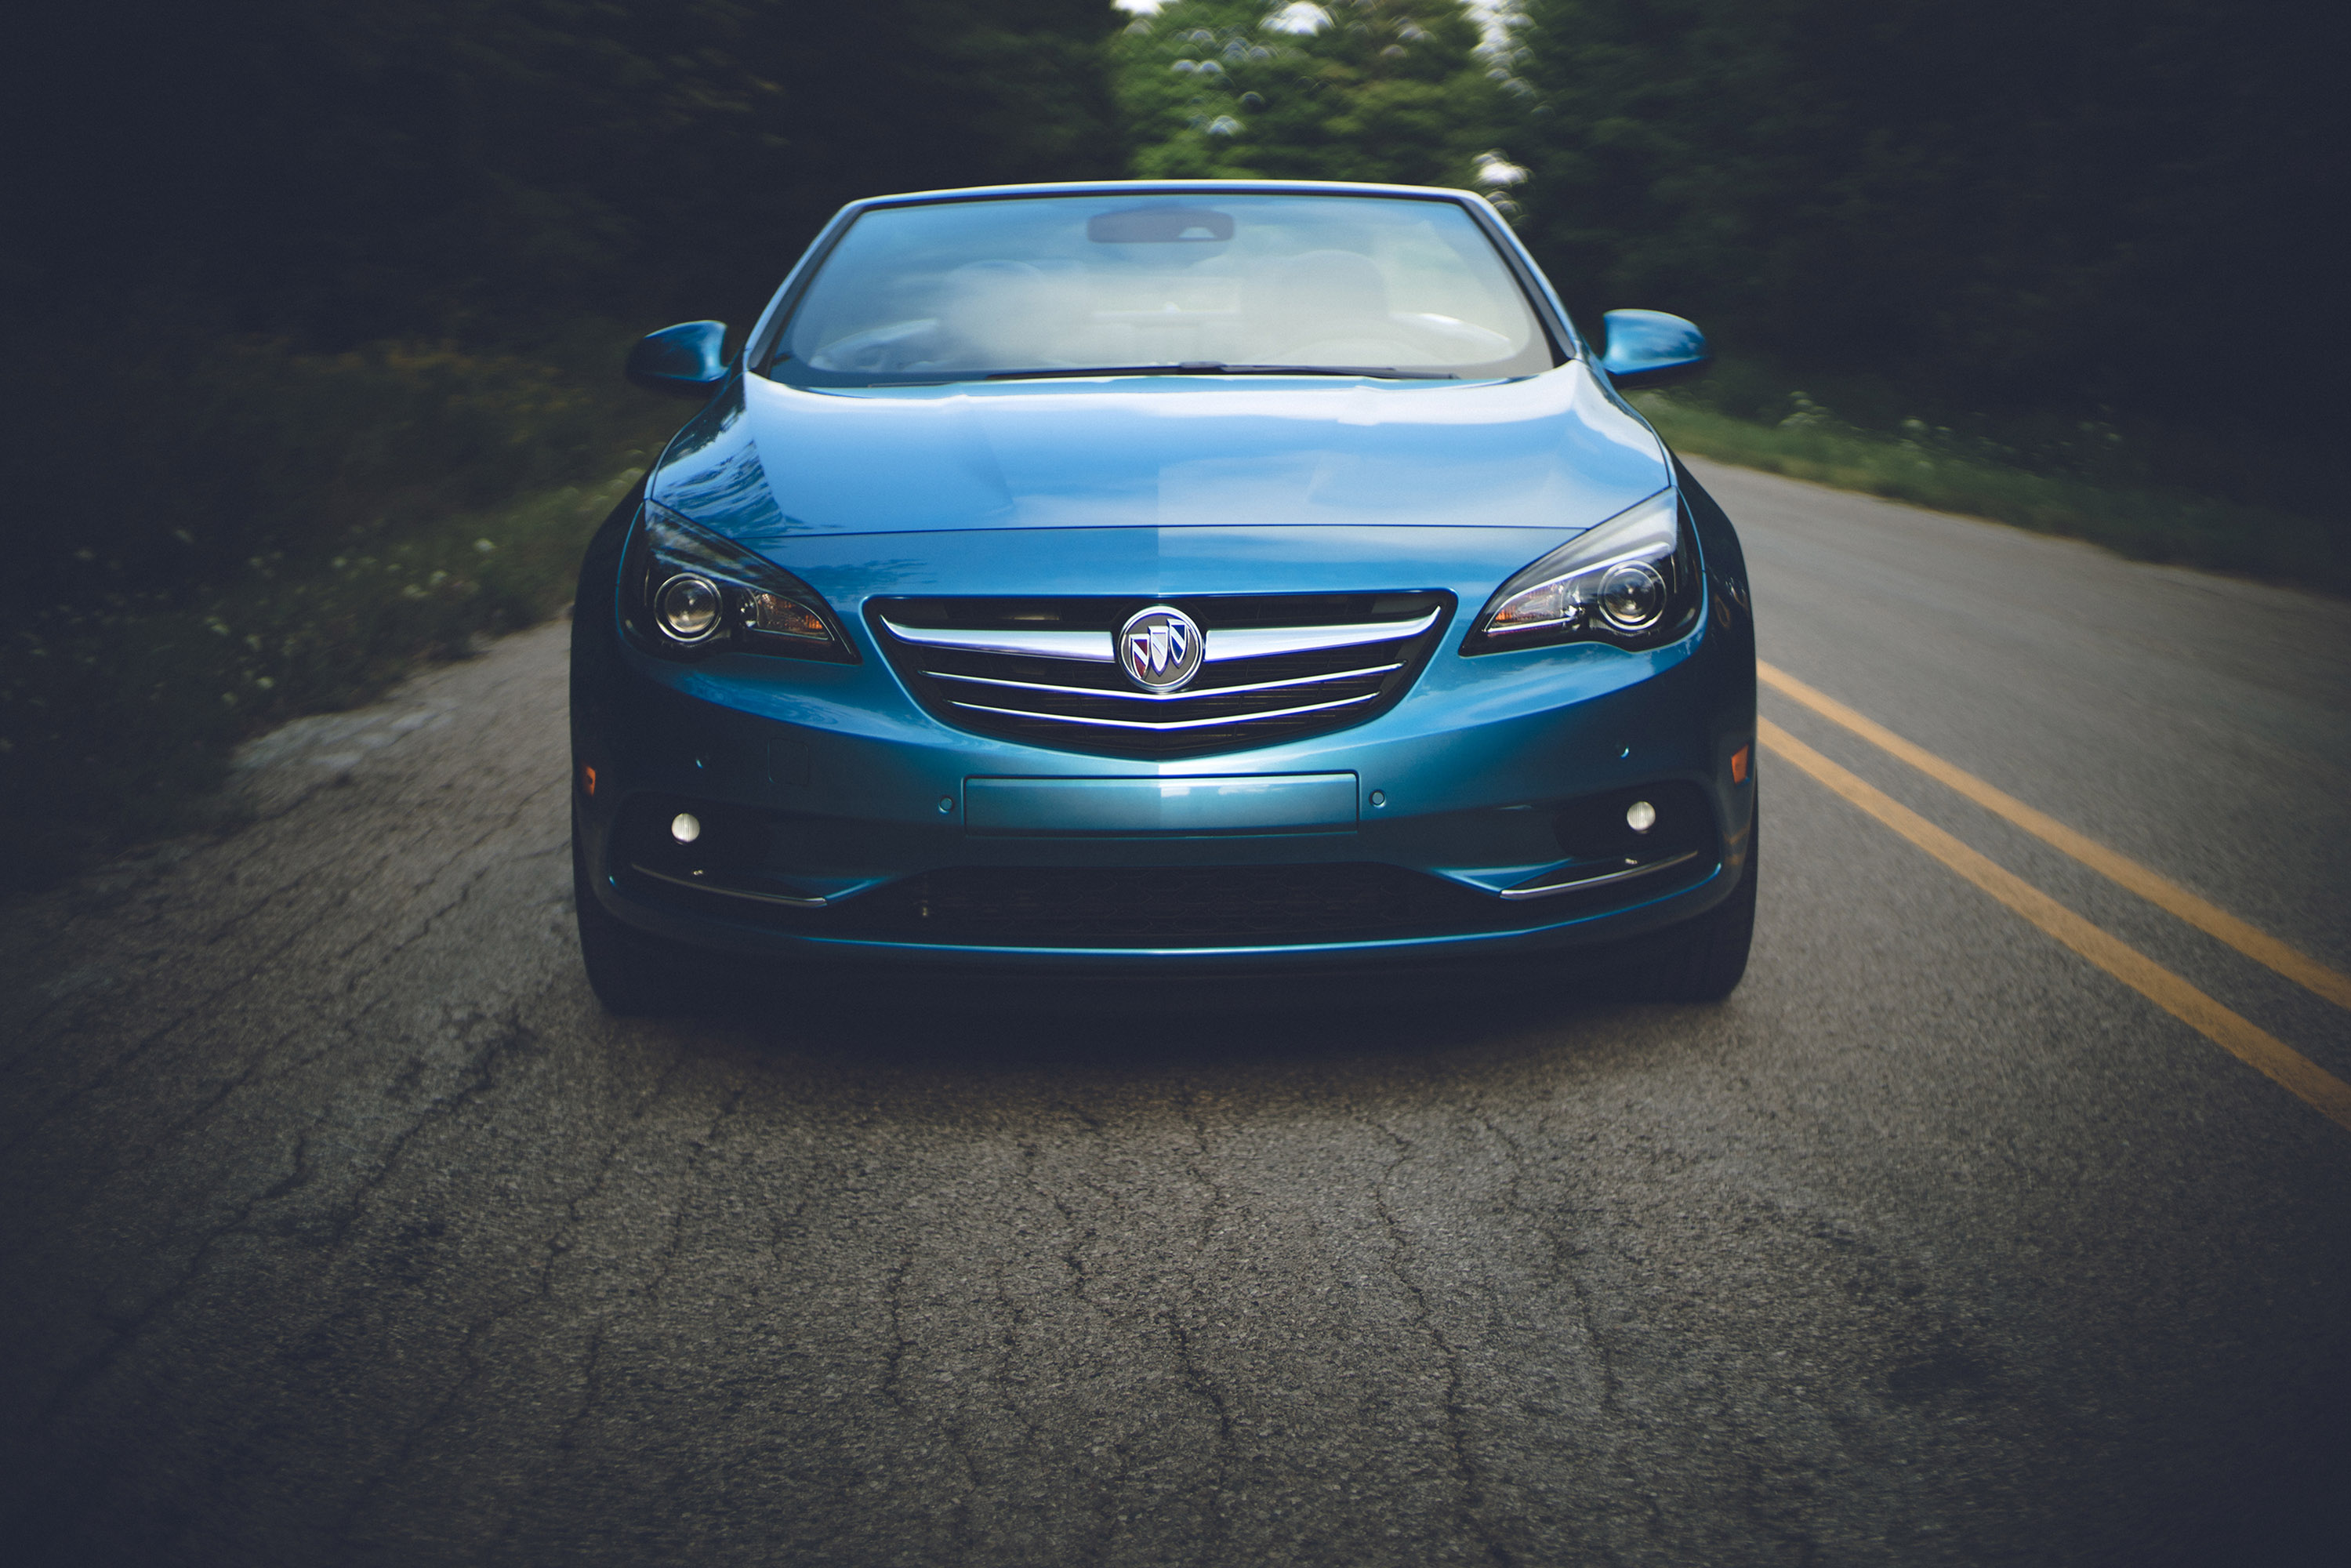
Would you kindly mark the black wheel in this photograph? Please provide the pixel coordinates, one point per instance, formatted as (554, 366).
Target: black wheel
(631, 973)
(1701, 960)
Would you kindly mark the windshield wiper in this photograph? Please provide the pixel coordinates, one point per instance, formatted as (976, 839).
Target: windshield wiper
(1218, 368)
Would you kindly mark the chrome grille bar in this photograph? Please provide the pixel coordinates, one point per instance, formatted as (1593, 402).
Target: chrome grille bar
(1566, 882)
(1190, 694)
(1226, 643)
(1285, 665)
(752, 894)
(1262, 641)
(1239, 718)
(1092, 647)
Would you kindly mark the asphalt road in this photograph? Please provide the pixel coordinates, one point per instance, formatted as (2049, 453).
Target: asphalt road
(340, 1227)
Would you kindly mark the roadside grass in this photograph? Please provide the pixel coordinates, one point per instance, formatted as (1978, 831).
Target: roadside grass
(1932, 468)
(121, 724)
(227, 532)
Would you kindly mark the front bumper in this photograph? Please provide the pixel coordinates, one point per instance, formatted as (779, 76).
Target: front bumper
(848, 826)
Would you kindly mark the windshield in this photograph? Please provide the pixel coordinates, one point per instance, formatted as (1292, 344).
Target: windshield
(1200, 282)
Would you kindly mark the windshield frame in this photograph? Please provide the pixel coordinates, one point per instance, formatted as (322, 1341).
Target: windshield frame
(763, 357)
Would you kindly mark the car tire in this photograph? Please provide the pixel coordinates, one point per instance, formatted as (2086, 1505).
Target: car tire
(1702, 960)
(630, 973)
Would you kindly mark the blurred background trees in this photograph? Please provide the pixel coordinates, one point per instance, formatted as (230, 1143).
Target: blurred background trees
(250, 200)
(310, 308)
(289, 288)
(1944, 210)
(2087, 212)
(494, 169)
(1389, 90)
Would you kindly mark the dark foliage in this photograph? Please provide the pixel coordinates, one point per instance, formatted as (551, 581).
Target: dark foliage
(486, 174)
(2115, 204)
(1387, 90)
(304, 300)
(485, 168)
(290, 290)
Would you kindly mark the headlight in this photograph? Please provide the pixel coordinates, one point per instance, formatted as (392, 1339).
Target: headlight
(1632, 582)
(686, 591)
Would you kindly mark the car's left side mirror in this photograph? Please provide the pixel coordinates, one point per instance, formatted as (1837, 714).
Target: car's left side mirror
(1651, 349)
(687, 361)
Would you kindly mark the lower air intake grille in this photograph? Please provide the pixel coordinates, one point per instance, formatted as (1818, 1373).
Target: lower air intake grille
(1162, 906)
(1175, 906)
(1274, 667)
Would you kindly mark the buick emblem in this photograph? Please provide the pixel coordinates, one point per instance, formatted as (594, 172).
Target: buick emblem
(1160, 648)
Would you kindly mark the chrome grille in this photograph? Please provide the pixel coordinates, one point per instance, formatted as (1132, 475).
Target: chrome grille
(1274, 667)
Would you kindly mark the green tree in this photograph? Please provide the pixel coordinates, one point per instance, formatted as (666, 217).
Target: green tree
(1391, 90)
(286, 284)
(489, 169)
(484, 175)
(2002, 203)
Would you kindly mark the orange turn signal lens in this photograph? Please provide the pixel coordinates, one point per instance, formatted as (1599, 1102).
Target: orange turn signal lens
(1737, 769)
(588, 777)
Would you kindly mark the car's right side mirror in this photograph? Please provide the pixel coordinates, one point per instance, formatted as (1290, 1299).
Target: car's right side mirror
(687, 361)
(1651, 349)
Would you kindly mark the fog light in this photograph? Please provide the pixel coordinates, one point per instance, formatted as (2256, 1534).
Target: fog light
(686, 827)
(1640, 816)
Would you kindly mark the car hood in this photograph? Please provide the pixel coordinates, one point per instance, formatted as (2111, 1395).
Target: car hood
(767, 462)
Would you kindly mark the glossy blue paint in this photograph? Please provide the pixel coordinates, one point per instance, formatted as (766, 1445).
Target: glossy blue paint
(1204, 803)
(688, 359)
(1651, 349)
(1166, 488)
(768, 462)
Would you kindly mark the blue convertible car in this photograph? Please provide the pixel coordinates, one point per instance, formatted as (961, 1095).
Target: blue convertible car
(1199, 577)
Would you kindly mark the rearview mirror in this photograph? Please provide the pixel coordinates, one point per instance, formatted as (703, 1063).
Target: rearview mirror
(687, 361)
(1651, 349)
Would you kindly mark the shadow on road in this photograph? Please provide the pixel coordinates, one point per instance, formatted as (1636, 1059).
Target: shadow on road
(980, 1021)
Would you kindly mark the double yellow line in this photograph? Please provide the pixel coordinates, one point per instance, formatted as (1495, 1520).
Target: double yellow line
(2232, 1034)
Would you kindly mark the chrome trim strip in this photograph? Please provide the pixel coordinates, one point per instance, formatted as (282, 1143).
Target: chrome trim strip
(1172, 724)
(1186, 695)
(1091, 647)
(730, 892)
(1232, 643)
(1260, 642)
(1542, 889)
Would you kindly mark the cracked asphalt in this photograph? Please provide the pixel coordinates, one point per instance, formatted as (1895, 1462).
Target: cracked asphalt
(341, 1226)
